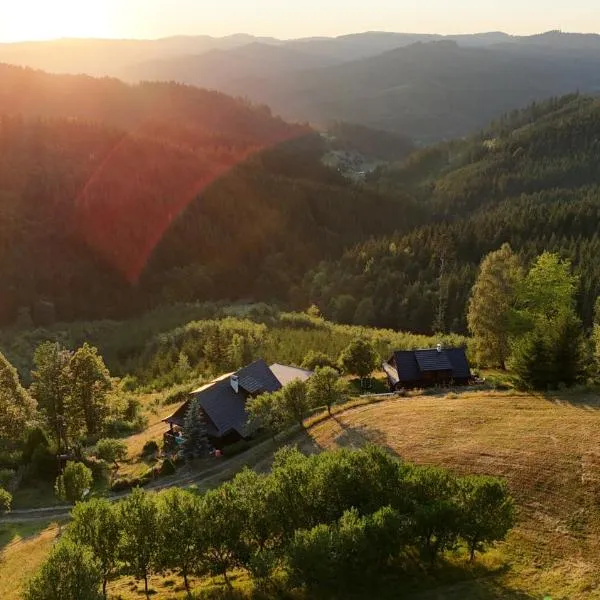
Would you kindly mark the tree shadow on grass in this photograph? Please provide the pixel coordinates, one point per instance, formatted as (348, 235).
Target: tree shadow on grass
(357, 437)
(13, 533)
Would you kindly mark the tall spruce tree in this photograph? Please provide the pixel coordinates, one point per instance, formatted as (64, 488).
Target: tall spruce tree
(196, 444)
(492, 301)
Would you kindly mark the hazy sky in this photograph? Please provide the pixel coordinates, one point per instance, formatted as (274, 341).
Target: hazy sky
(44, 19)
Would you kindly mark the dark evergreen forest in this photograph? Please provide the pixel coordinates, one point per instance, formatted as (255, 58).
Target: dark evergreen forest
(531, 179)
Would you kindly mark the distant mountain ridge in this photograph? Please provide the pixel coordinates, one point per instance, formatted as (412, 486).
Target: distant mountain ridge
(426, 86)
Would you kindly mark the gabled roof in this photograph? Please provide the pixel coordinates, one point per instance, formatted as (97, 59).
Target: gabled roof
(433, 360)
(287, 374)
(408, 366)
(225, 408)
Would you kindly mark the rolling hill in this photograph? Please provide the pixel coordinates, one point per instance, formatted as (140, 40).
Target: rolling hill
(530, 180)
(425, 86)
(114, 198)
(430, 91)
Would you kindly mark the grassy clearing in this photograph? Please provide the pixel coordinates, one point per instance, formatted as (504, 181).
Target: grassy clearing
(545, 447)
(23, 547)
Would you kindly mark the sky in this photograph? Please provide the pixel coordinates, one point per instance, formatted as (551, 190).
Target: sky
(49, 19)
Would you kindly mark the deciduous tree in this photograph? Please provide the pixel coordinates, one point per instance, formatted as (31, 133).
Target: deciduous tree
(17, 408)
(492, 303)
(89, 383)
(359, 358)
(71, 572)
(140, 529)
(325, 388)
(487, 512)
(50, 388)
(181, 544)
(95, 524)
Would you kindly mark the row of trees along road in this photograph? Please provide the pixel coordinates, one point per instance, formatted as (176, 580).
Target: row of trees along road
(328, 523)
(527, 320)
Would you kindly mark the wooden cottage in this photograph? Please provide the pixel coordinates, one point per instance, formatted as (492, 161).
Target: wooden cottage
(426, 368)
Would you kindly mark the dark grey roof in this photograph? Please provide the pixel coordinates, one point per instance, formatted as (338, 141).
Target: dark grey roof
(225, 408)
(411, 364)
(407, 366)
(460, 364)
(433, 360)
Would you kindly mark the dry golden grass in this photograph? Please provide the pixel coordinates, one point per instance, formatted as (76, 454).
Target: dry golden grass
(547, 450)
(22, 552)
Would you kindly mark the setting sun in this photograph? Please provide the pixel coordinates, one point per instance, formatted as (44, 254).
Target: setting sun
(39, 20)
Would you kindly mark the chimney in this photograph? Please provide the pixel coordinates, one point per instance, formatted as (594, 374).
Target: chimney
(235, 383)
(439, 347)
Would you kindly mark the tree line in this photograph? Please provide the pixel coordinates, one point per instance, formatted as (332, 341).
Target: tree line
(311, 523)
(527, 320)
(529, 180)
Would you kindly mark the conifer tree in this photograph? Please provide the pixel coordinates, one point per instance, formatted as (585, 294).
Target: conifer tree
(196, 444)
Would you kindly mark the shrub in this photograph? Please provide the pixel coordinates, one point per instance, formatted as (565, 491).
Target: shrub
(116, 428)
(74, 482)
(167, 468)
(237, 448)
(111, 450)
(99, 468)
(177, 395)
(124, 484)
(150, 448)
(7, 476)
(5, 500)
(313, 360)
(43, 464)
(36, 437)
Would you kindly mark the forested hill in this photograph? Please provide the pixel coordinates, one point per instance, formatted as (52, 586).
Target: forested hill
(115, 198)
(532, 179)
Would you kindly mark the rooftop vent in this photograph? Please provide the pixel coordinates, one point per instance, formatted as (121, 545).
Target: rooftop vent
(235, 383)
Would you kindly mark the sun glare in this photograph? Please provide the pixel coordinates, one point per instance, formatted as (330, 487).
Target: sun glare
(44, 19)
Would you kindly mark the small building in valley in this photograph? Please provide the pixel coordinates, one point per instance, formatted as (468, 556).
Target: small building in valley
(223, 400)
(428, 367)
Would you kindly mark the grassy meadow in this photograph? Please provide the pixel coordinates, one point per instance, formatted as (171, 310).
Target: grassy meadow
(544, 446)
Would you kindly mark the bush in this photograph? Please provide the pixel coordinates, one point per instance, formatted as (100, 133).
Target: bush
(133, 409)
(98, 467)
(35, 438)
(5, 501)
(7, 476)
(167, 468)
(43, 464)
(237, 448)
(74, 482)
(313, 360)
(118, 428)
(125, 484)
(177, 395)
(111, 450)
(150, 448)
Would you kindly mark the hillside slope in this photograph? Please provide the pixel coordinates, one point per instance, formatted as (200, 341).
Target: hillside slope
(531, 180)
(430, 91)
(544, 448)
(115, 198)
